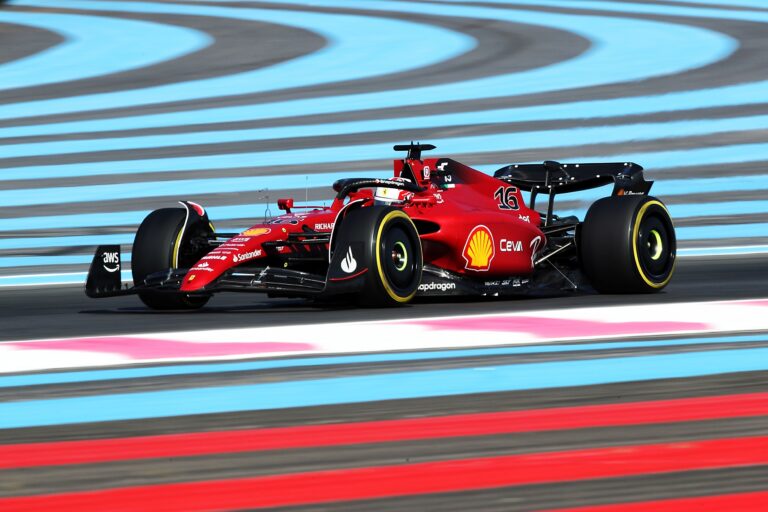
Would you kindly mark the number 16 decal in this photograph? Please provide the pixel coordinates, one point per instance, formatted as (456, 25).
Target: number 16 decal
(507, 198)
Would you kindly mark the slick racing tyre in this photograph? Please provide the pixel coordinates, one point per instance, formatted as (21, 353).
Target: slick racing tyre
(157, 247)
(628, 245)
(393, 251)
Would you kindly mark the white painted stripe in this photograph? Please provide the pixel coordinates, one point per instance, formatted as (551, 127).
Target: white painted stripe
(488, 330)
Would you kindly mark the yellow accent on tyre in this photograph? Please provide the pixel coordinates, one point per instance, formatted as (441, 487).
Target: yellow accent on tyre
(382, 276)
(635, 233)
(175, 253)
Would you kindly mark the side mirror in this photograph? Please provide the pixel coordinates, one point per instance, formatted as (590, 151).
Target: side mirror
(285, 204)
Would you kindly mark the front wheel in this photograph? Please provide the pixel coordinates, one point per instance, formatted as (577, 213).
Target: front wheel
(628, 245)
(157, 247)
(393, 254)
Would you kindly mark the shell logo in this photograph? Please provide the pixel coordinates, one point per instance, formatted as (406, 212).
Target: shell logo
(479, 249)
(257, 231)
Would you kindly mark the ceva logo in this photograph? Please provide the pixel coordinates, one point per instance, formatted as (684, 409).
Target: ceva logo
(479, 249)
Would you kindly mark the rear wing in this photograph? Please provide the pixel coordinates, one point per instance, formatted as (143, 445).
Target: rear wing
(554, 178)
(563, 178)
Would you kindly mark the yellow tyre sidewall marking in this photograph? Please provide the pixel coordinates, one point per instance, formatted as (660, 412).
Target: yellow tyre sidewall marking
(176, 247)
(635, 233)
(382, 276)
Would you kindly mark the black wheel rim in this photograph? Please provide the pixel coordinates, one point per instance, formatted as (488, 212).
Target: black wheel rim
(399, 259)
(656, 245)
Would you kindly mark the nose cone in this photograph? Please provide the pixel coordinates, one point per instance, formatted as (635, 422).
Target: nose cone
(205, 271)
(197, 279)
(245, 247)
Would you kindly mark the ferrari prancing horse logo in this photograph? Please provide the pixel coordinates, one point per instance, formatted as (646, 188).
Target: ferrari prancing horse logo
(479, 249)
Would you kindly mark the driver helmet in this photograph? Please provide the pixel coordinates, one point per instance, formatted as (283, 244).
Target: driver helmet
(389, 195)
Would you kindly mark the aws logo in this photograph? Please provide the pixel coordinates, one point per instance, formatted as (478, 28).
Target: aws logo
(111, 258)
(479, 249)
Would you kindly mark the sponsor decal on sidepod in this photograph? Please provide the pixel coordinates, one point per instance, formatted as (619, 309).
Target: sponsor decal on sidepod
(510, 245)
(433, 286)
(479, 249)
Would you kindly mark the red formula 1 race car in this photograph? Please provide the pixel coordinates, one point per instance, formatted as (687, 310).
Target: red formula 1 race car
(437, 228)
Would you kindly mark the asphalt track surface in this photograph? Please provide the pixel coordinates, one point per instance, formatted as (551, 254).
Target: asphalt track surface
(67, 312)
(669, 444)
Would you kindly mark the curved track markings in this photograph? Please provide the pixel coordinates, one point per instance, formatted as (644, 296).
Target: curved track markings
(95, 46)
(352, 39)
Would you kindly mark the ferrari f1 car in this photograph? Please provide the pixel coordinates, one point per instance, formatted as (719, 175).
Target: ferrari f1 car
(437, 228)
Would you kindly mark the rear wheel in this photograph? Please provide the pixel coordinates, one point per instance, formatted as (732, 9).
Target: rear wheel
(157, 247)
(628, 245)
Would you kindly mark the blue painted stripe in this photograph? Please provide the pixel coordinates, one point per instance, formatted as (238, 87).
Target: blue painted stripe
(666, 188)
(352, 39)
(759, 229)
(370, 388)
(516, 140)
(242, 185)
(51, 279)
(95, 46)
(625, 7)
(65, 241)
(679, 211)
(70, 377)
(178, 188)
(134, 218)
(757, 4)
(683, 211)
(728, 96)
(79, 220)
(663, 188)
(722, 96)
(612, 57)
(51, 261)
(454, 145)
(222, 213)
(722, 251)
